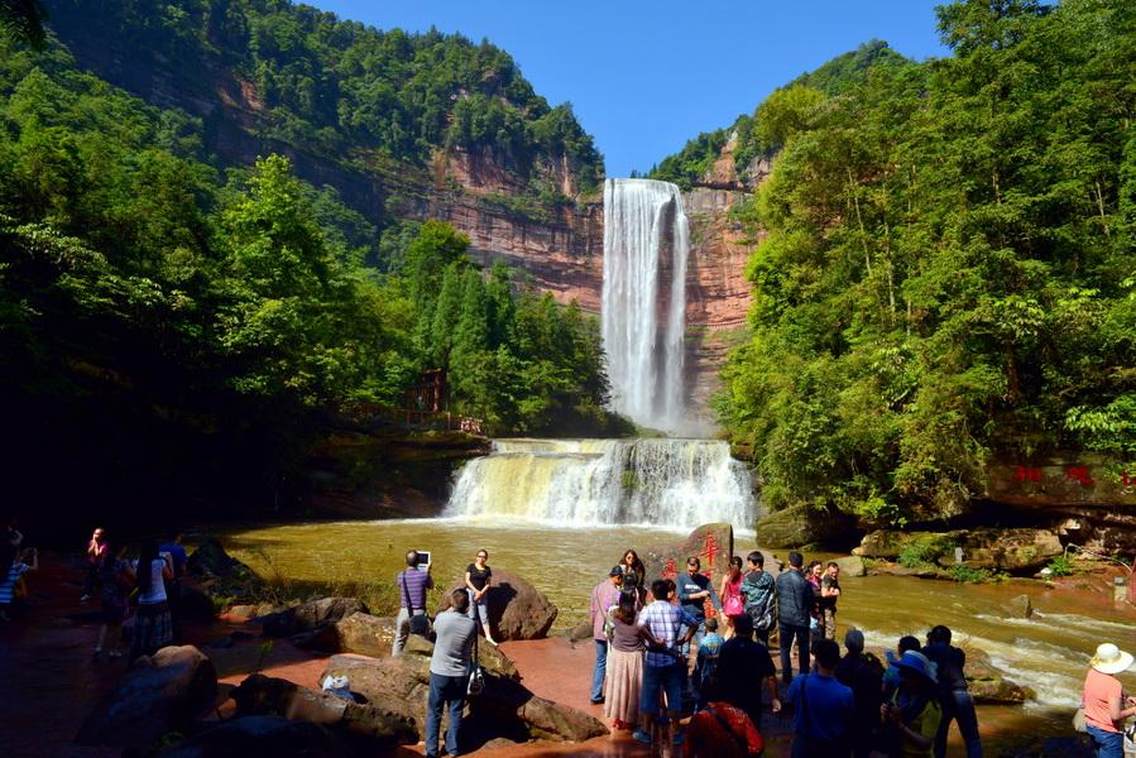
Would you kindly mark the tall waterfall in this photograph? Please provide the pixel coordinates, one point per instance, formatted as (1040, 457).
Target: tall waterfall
(646, 243)
(678, 483)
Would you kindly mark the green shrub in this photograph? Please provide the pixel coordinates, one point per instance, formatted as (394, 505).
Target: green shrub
(924, 550)
(1061, 566)
(968, 575)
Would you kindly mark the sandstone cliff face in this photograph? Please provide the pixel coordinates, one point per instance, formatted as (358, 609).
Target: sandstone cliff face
(717, 293)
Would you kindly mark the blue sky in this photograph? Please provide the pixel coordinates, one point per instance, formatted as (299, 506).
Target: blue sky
(644, 76)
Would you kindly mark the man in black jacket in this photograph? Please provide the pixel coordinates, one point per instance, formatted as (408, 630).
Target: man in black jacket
(794, 604)
(958, 705)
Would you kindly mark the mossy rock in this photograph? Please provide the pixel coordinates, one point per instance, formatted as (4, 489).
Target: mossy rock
(801, 526)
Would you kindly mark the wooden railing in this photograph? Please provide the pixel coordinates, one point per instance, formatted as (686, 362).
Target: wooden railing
(413, 418)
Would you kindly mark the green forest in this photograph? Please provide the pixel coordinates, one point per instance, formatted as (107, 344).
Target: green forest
(344, 90)
(172, 325)
(949, 272)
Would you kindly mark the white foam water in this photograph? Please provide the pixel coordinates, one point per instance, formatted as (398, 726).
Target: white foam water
(671, 483)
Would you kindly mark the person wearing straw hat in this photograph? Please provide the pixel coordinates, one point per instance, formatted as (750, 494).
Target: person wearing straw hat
(1104, 698)
(911, 718)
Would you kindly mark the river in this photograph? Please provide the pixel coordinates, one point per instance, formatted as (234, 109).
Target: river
(1048, 652)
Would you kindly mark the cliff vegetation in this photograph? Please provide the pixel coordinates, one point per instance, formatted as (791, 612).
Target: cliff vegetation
(948, 275)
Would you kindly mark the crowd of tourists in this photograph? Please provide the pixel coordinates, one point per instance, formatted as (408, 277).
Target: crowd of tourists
(137, 596)
(678, 661)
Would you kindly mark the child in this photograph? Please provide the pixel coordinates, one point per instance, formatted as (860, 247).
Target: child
(707, 662)
(28, 560)
(891, 675)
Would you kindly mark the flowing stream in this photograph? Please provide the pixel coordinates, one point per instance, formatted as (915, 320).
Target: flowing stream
(672, 483)
(646, 244)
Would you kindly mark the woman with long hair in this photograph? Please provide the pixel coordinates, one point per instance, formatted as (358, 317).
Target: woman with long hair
(634, 575)
(624, 678)
(733, 603)
(813, 574)
(153, 627)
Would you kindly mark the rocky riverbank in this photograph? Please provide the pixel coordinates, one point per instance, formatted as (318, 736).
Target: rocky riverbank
(250, 678)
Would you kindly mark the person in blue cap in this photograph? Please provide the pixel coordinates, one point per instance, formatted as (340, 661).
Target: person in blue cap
(911, 717)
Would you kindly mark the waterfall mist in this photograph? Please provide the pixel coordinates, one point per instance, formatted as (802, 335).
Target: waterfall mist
(646, 244)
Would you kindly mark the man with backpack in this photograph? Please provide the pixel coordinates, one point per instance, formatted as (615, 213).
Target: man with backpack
(759, 592)
(824, 708)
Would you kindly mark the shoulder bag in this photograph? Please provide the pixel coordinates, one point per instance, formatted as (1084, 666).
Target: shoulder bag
(419, 622)
(477, 674)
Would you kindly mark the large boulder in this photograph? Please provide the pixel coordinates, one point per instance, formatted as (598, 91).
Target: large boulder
(260, 735)
(988, 685)
(364, 634)
(1013, 550)
(801, 526)
(889, 545)
(368, 728)
(517, 609)
(158, 694)
(852, 565)
(401, 686)
(211, 560)
(1020, 607)
(310, 616)
(712, 544)
(220, 576)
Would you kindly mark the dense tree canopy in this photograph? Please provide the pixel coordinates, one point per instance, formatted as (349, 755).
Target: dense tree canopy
(756, 134)
(950, 271)
(339, 87)
(157, 311)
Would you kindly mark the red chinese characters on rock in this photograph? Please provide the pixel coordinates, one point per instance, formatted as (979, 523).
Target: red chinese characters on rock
(670, 571)
(710, 551)
(1079, 474)
(1027, 474)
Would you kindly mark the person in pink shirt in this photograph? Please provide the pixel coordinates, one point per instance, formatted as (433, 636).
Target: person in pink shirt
(1106, 706)
(605, 596)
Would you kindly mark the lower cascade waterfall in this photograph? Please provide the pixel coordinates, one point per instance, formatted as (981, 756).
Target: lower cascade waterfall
(677, 483)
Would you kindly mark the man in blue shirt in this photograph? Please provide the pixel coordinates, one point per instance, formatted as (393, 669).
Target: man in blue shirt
(824, 708)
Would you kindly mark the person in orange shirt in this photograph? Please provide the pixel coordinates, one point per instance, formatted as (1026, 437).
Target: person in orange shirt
(1106, 706)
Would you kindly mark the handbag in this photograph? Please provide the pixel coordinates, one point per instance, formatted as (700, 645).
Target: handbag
(477, 674)
(1079, 723)
(733, 606)
(419, 622)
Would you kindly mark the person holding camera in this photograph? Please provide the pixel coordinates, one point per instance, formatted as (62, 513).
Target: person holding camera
(412, 584)
(450, 667)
